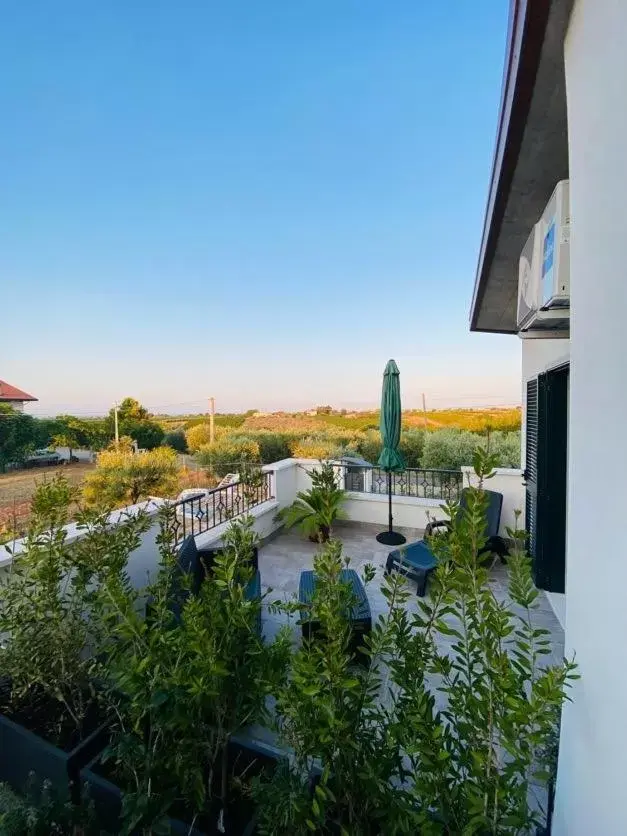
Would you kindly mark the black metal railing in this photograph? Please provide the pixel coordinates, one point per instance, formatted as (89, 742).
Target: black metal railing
(422, 483)
(210, 508)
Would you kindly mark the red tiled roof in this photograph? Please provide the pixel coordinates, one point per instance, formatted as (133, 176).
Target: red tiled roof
(12, 393)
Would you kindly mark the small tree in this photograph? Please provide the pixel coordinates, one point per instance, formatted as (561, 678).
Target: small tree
(135, 421)
(18, 435)
(198, 436)
(122, 476)
(227, 453)
(70, 433)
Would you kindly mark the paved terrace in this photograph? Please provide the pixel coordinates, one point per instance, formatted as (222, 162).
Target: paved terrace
(283, 559)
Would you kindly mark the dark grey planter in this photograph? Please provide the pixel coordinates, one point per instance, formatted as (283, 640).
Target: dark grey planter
(23, 752)
(107, 796)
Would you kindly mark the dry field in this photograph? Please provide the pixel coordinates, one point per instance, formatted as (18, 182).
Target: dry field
(17, 487)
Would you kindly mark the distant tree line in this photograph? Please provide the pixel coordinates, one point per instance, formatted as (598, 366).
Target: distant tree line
(21, 434)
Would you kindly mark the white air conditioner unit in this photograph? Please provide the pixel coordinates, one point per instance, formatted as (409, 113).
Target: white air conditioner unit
(544, 272)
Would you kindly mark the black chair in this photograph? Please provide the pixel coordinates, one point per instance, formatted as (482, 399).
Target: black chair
(197, 563)
(417, 561)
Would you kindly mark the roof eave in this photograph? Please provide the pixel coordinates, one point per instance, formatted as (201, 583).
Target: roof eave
(527, 25)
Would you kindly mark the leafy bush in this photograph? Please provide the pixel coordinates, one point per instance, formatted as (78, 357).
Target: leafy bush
(412, 446)
(226, 453)
(47, 617)
(38, 812)
(184, 680)
(273, 447)
(122, 476)
(451, 449)
(147, 433)
(468, 723)
(199, 435)
(506, 448)
(316, 448)
(176, 440)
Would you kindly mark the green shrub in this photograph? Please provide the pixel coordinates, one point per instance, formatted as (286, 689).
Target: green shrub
(506, 448)
(272, 446)
(369, 446)
(466, 732)
(412, 446)
(316, 448)
(226, 453)
(450, 449)
(192, 674)
(176, 440)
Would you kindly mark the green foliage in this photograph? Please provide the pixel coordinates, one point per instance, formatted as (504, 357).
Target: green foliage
(273, 447)
(450, 725)
(475, 751)
(331, 718)
(18, 435)
(183, 685)
(46, 613)
(135, 421)
(316, 448)
(224, 455)
(450, 449)
(122, 476)
(148, 434)
(38, 812)
(412, 445)
(176, 440)
(315, 510)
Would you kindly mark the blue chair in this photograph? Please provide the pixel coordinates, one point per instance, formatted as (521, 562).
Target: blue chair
(417, 561)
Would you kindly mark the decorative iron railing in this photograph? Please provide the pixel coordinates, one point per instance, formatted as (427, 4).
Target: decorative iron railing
(210, 508)
(414, 481)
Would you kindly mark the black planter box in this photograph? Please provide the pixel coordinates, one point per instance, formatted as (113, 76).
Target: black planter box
(23, 752)
(107, 797)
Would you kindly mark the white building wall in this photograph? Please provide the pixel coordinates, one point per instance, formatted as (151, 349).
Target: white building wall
(593, 748)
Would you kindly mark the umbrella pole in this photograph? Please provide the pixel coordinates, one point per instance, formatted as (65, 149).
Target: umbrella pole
(390, 537)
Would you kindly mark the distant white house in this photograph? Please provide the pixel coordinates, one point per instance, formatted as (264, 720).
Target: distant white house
(13, 396)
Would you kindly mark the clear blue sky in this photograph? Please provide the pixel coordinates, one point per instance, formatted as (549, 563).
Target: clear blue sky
(263, 201)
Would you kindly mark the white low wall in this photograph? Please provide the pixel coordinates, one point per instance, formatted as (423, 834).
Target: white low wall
(509, 482)
(407, 511)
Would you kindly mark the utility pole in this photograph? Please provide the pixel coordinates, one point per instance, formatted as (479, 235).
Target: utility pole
(424, 409)
(115, 418)
(212, 412)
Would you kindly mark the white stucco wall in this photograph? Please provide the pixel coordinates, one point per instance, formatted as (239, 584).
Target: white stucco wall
(593, 748)
(509, 482)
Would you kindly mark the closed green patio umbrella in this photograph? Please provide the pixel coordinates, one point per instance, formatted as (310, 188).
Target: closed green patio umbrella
(391, 459)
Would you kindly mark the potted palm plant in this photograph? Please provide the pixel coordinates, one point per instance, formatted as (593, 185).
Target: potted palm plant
(315, 510)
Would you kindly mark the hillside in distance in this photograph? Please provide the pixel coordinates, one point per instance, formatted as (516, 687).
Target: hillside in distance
(316, 419)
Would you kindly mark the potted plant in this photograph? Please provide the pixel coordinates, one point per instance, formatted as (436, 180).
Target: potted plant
(470, 709)
(182, 688)
(51, 720)
(316, 510)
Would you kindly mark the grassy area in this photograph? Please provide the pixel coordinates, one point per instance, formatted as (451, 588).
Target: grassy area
(18, 486)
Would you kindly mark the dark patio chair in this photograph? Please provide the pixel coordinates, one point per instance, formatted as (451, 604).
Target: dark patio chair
(417, 561)
(197, 563)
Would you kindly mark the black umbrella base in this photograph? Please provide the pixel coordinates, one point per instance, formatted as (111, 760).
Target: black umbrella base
(391, 538)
